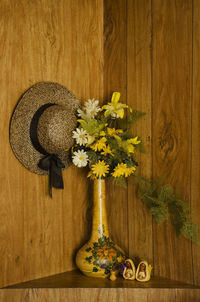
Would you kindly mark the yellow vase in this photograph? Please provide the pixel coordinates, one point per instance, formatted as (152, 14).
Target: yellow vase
(99, 255)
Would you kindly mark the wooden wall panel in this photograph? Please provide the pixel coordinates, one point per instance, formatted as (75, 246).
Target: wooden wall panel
(115, 49)
(44, 40)
(139, 98)
(142, 49)
(171, 95)
(195, 155)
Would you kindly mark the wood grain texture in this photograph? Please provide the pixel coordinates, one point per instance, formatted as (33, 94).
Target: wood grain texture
(171, 94)
(142, 49)
(187, 295)
(195, 172)
(74, 295)
(59, 41)
(99, 295)
(139, 98)
(115, 49)
(75, 279)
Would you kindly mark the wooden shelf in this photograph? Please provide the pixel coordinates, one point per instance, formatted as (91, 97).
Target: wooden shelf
(73, 286)
(75, 279)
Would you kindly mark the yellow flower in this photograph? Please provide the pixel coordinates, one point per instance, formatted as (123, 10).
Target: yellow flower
(102, 133)
(113, 131)
(91, 175)
(134, 141)
(129, 144)
(130, 148)
(100, 169)
(129, 171)
(107, 150)
(99, 145)
(123, 170)
(114, 108)
(119, 170)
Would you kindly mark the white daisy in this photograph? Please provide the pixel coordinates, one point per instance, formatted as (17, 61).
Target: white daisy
(80, 136)
(80, 158)
(91, 107)
(82, 114)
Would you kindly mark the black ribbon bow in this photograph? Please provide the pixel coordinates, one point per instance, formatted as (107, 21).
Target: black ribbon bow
(54, 165)
(49, 162)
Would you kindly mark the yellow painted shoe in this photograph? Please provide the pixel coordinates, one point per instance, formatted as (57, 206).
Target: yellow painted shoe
(143, 272)
(129, 270)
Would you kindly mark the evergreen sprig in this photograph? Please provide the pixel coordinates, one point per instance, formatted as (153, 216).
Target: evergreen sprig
(164, 203)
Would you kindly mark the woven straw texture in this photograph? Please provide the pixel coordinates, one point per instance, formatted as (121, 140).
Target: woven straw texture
(55, 125)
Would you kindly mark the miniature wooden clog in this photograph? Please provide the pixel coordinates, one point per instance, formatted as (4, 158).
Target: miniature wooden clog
(143, 272)
(129, 270)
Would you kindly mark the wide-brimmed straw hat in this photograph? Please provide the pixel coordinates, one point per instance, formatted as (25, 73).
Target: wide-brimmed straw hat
(41, 129)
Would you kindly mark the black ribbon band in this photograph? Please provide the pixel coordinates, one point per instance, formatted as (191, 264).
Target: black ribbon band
(50, 162)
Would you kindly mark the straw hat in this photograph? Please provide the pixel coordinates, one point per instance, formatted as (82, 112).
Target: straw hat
(41, 127)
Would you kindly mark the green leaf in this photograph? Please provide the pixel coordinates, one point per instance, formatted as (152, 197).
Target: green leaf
(89, 259)
(92, 126)
(166, 193)
(163, 203)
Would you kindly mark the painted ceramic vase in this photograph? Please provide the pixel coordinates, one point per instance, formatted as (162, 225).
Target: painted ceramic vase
(100, 254)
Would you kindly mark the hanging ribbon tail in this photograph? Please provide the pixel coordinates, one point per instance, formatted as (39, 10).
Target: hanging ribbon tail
(54, 165)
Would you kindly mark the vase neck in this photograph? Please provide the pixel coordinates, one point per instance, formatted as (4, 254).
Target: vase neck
(99, 222)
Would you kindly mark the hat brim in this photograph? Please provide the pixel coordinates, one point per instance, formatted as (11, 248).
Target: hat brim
(36, 96)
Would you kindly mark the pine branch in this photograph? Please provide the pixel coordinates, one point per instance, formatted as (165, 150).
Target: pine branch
(163, 203)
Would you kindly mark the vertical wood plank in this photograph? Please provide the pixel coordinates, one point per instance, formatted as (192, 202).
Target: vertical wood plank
(195, 173)
(139, 98)
(187, 295)
(172, 75)
(115, 49)
(59, 41)
(161, 295)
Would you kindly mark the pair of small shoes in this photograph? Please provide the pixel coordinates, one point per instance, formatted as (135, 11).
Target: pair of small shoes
(142, 274)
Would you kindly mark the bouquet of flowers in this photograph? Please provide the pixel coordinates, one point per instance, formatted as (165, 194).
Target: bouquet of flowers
(104, 143)
(103, 140)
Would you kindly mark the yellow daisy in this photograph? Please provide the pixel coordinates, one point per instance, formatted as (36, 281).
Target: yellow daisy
(99, 145)
(91, 175)
(119, 170)
(129, 171)
(100, 169)
(123, 170)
